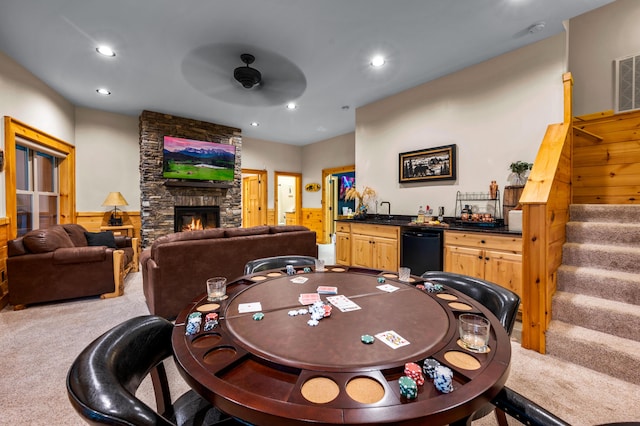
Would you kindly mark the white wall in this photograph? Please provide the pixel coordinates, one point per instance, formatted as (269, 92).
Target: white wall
(107, 159)
(595, 40)
(495, 112)
(271, 156)
(29, 100)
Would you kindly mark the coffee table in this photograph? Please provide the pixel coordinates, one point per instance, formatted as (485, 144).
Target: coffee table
(280, 370)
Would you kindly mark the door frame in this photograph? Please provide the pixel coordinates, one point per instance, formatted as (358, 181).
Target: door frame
(262, 202)
(298, 192)
(326, 207)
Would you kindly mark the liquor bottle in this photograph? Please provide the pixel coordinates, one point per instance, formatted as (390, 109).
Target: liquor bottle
(420, 215)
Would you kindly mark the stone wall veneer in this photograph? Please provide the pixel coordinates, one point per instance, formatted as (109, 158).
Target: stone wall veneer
(157, 200)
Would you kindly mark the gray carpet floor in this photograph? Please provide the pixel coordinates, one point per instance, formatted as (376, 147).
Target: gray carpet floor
(37, 346)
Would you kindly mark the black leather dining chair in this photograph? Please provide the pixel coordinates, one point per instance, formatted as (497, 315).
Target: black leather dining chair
(103, 379)
(502, 302)
(524, 410)
(274, 262)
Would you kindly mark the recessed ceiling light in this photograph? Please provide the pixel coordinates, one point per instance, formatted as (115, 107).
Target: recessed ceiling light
(377, 61)
(292, 105)
(105, 50)
(103, 91)
(255, 123)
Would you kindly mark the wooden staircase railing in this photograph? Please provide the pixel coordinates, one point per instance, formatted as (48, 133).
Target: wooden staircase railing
(545, 203)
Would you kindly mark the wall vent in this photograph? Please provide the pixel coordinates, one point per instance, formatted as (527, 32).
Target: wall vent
(627, 83)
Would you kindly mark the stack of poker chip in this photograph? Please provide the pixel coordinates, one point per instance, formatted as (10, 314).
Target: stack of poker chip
(193, 323)
(444, 379)
(412, 370)
(210, 321)
(408, 387)
(291, 270)
(429, 367)
(433, 288)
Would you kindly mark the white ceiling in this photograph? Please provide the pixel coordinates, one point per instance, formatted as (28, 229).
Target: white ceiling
(178, 57)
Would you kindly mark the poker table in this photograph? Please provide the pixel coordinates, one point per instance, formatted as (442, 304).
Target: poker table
(281, 370)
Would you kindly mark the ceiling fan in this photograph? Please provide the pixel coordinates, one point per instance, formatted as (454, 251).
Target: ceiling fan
(213, 71)
(247, 76)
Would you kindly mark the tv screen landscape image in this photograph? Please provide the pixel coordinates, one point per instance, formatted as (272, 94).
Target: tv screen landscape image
(197, 160)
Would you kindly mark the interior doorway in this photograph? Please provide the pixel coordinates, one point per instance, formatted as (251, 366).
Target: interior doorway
(254, 197)
(331, 198)
(287, 198)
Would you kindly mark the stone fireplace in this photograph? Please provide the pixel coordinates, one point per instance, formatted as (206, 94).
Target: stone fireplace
(194, 218)
(159, 197)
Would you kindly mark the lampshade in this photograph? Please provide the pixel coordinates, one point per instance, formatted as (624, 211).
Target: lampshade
(115, 199)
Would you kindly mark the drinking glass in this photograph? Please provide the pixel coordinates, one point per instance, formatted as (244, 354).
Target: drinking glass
(216, 289)
(404, 273)
(319, 265)
(474, 332)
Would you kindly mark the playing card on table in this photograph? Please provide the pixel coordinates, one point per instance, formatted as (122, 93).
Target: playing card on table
(249, 307)
(343, 303)
(388, 288)
(392, 339)
(308, 298)
(299, 280)
(325, 289)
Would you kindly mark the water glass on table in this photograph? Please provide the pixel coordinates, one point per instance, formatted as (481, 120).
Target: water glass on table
(319, 265)
(474, 332)
(216, 289)
(404, 273)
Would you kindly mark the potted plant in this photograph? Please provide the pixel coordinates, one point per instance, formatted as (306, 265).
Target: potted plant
(519, 168)
(362, 197)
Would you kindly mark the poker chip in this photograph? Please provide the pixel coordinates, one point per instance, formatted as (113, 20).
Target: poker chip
(258, 316)
(292, 313)
(381, 280)
(429, 367)
(303, 311)
(420, 286)
(408, 387)
(412, 370)
(367, 339)
(443, 380)
(313, 322)
(307, 270)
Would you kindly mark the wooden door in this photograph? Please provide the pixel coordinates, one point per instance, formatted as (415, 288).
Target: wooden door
(251, 208)
(385, 254)
(464, 260)
(504, 269)
(343, 248)
(361, 251)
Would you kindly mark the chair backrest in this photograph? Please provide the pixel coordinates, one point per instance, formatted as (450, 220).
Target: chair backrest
(103, 379)
(502, 302)
(525, 410)
(266, 263)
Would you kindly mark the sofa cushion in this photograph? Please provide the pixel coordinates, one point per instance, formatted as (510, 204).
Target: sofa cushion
(287, 228)
(105, 238)
(76, 233)
(191, 235)
(47, 240)
(242, 232)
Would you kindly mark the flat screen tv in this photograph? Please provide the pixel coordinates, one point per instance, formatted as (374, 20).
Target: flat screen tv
(197, 160)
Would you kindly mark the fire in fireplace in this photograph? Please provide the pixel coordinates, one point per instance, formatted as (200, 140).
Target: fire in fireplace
(192, 218)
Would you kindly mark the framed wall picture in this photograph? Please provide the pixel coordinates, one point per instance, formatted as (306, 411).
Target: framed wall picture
(429, 164)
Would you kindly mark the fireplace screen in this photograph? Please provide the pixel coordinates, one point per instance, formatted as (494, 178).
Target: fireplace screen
(192, 218)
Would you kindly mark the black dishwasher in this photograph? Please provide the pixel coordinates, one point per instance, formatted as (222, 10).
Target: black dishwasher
(421, 250)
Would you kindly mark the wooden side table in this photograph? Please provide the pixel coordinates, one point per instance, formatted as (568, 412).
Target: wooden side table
(119, 230)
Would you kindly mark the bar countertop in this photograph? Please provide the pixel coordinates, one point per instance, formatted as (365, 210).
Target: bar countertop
(449, 224)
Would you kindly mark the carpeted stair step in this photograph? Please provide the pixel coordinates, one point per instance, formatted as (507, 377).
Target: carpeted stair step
(608, 316)
(616, 213)
(598, 351)
(619, 286)
(610, 257)
(620, 234)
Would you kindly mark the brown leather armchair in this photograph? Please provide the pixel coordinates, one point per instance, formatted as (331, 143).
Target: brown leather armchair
(65, 262)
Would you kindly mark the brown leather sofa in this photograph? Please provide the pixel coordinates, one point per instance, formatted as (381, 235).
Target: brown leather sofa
(176, 266)
(66, 262)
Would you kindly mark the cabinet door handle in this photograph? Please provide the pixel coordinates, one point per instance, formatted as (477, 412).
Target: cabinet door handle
(480, 257)
(483, 242)
(486, 258)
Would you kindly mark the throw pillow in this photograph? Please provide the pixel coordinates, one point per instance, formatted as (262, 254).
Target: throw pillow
(105, 238)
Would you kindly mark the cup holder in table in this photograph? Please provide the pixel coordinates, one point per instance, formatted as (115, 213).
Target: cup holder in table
(219, 355)
(206, 340)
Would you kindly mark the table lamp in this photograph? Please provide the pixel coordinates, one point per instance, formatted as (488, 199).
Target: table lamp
(115, 199)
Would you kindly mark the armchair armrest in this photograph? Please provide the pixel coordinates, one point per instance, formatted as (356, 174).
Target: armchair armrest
(123, 241)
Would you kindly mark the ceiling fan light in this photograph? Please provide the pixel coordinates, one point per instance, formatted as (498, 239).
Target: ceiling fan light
(247, 76)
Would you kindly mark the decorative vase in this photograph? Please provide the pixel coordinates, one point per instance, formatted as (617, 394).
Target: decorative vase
(361, 212)
(493, 190)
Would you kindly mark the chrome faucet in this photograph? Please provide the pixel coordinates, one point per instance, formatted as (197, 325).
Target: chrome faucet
(389, 204)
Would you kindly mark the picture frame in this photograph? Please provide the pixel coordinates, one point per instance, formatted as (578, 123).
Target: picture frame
(430, 164)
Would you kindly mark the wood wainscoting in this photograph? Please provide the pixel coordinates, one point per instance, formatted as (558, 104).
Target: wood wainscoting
(4, 286)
